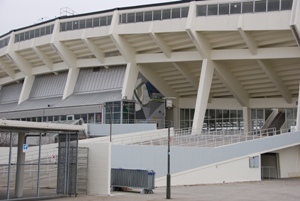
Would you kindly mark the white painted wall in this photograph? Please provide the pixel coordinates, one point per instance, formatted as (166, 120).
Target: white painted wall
(289, 162)
(231, 171)
(99, 167)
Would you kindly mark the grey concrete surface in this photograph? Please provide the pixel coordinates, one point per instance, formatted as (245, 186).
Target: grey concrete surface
(274, 190)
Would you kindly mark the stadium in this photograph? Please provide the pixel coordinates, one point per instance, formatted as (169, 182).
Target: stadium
(230, 69)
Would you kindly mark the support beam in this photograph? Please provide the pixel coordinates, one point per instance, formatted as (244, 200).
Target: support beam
(20, 166)
(298, 112)
(275, 79)
(10, 72)
(123, 46)
(160, 42)
(206, 77)
(197, 38)
(187, 74)
(159, 83)
(246, 36)
(93, 47)
(131, 75)
(295, 21)
(232, 84)
(47, 61)
(247, 119)
(71, 82)
(26, 89)
(67, 56)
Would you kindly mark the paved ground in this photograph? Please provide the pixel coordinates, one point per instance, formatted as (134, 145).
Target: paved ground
(274, 190)
(281, 190)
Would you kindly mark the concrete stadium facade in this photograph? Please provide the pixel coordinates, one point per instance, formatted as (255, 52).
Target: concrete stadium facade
(231, 66)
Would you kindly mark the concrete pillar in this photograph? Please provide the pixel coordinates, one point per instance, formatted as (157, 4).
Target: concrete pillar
(20, 168)
(176, 117)
(298, 112)
(247, 119)
(206, 77)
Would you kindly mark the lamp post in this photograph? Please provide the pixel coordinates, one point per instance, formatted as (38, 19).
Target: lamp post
(168, 105)
(110, 121)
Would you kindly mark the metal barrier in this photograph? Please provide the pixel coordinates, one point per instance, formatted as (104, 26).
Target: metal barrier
(144, 179)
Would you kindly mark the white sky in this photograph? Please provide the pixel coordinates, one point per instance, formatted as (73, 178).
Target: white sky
(16, 14)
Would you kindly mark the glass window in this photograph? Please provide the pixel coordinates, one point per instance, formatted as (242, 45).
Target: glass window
(63, 117)
(233, 113)
(89, 23)
(50, 118)
(273, 5)
(43, 31)
(201, 10)
(117, 107)
(84, 117)
(17, 39)
(22, 36)
(36, 32)
(248, 7)
(157, 15)
(260, 6)
(166, 14)
(212, 10)
(175, 13)
(184, 12)
(130, 17)
(39, 119)
(62, 26)
(98, 118)
(91, 118)
(139, 17)
(235, 8)
(31, 34)
(26, 35)
(124, 18)
(286, 4)
(109, 18)
(223, 9)
(260, 114)
(148, 16)
(96, 22)
(48, 31)
(75, 25)
(103, 20)
(56, 118)
(226, 114)
(69, 26)
(82, 24)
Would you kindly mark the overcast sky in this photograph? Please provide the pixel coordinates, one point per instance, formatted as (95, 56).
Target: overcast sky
(16, 14)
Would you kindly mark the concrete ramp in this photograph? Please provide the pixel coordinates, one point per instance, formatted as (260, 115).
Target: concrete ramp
(191, 165)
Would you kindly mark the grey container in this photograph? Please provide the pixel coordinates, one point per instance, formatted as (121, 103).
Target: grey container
(144, 179)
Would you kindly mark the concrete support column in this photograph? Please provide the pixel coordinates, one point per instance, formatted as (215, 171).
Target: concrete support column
(131, 75)
(298, 112)
(176, 117)
(206, 77)
(20, 168)
(247, 119)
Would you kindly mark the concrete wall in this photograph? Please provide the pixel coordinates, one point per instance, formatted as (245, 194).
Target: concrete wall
(289, 162)
(237, 170)
(99, 167)
(96, 130)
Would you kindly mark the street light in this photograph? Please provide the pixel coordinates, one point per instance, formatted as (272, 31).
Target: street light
(168, 105)
(110, 121)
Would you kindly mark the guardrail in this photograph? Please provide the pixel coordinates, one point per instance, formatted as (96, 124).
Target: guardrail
(195, 138)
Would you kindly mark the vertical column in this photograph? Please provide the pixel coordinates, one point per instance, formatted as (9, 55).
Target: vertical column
(176, 117)
(131, 75)
(247, 119)
(26, 89)
(20, 166)
(298, 112)
(206, 77)
(71, 82)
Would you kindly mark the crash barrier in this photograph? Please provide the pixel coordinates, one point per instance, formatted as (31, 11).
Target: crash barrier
(123, 178)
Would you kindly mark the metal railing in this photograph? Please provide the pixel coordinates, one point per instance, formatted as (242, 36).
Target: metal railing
(196, 138)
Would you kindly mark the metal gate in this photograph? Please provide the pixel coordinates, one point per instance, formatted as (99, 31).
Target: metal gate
(67, 164)
(82, 171)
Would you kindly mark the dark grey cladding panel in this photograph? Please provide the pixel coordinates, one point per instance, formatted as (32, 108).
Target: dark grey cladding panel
(91, 99)
(8, 107)
(100, 79)
(38, 103)
(10, 93)
(49, 85)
